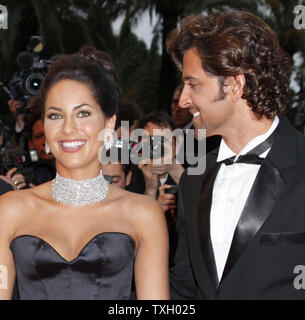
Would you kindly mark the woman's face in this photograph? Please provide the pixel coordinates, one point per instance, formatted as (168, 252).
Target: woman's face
(73, 121)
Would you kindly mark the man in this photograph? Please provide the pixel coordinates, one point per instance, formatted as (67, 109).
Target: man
(117, 174)
(241, 223)
(44, 168)
(183, 120)
(181, 117)
(161, 177)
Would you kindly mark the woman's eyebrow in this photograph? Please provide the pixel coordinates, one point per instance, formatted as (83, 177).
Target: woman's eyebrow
(75, 108)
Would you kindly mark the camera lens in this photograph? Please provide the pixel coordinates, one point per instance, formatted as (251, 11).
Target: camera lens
(33, 83)
(156, 147)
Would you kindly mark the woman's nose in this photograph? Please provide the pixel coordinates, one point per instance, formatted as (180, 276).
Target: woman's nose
(69, 126)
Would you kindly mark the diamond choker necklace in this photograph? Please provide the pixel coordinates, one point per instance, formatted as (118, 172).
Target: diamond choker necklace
(79, 192)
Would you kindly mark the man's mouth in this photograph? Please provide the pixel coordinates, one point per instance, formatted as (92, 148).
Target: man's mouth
(196, 114)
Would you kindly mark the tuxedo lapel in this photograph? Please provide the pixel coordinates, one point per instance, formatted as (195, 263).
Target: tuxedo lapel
(204, 223)
(263, 196)
(266, 190)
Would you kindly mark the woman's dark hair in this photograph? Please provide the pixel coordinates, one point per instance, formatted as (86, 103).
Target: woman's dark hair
(101, 57)
(78, 68)
(234, 43)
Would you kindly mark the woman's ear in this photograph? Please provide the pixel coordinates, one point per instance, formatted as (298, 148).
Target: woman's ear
(110, 123)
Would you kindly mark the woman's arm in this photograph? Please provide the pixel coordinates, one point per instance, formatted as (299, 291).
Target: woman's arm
(151, 263)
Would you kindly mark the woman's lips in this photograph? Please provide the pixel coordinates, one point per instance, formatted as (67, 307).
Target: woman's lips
(72, 146)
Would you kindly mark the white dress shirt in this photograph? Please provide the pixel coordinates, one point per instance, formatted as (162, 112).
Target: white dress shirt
(230, 192)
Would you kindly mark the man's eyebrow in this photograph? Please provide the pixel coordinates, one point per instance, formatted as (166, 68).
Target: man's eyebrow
(75, 108)
(189, 78)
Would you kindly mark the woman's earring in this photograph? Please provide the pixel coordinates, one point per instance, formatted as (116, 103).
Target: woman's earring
(109, 141)
(47, 148)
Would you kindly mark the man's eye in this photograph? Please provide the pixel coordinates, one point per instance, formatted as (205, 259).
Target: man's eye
(116, 179)
(84, 114)
(54, 116)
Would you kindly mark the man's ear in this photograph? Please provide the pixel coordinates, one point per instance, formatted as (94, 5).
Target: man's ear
(235, 86)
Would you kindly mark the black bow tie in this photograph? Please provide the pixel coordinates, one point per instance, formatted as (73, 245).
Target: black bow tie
(246, 158)
(253, 156)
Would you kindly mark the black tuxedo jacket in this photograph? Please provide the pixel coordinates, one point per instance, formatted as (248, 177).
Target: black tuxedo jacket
(269, 240)
(5, 187)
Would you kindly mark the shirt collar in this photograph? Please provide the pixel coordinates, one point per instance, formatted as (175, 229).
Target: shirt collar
(225, 152)
(163, 180)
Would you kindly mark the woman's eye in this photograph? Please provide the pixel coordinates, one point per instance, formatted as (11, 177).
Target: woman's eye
(83, 114)
(54, 116)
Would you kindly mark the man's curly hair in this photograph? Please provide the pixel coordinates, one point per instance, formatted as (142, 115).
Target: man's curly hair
(236, 43)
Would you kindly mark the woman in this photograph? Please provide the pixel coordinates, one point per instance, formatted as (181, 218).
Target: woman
(77, 237)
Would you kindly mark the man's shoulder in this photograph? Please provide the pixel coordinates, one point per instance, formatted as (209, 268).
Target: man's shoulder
(193, 179)
(5, 187)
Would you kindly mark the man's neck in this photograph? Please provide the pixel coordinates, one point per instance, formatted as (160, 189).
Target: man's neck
(239, 136)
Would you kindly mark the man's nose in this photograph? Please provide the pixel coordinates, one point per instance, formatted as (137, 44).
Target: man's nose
(184, 100)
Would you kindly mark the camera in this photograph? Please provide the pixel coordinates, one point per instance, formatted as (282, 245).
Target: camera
(156, 147)
(151, 147)
(172, 190)
(147, 147)
(32, 72)
(19, 159)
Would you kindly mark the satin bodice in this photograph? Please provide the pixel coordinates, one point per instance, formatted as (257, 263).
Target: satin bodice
(102, 270)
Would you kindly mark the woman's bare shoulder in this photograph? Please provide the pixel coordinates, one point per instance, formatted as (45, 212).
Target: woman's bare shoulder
(135, 202)
(17, 207)
(19, 203)
(11, 213)
(140, 208)
(13, 203)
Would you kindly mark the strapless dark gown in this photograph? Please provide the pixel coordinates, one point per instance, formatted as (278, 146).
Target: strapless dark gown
(103, 269)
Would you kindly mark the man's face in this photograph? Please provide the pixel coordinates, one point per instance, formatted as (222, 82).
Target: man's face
(204, 98)
(116, 172)
(180, 116)
(169, 148)
(39, 140)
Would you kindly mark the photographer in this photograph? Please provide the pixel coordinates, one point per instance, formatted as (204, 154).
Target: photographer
(5, 137)
(44, 168)
(162, 179)
(12, 180)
